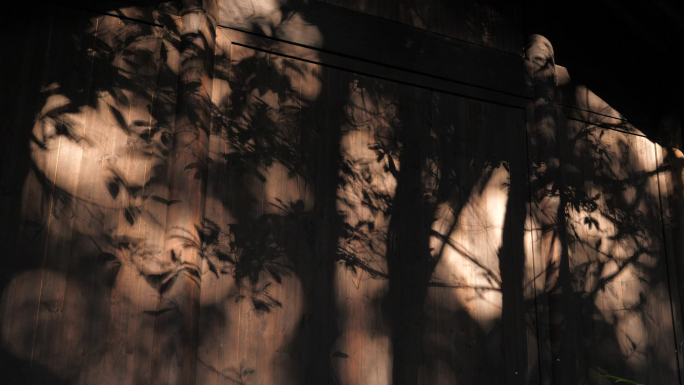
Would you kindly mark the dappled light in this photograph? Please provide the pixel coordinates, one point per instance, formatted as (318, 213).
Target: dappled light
(198, 209)
(469, 254)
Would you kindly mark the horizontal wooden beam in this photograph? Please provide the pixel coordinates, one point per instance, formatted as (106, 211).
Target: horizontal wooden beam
(374, 40)
(379, 71)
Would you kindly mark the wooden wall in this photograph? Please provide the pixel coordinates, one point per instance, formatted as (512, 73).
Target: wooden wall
(377, 212)
(491, 23)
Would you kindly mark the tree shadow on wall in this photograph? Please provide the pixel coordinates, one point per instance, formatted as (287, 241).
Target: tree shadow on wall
(89, 146)
(607, 288)
(374, 214)
(617, 260)
(109, 94)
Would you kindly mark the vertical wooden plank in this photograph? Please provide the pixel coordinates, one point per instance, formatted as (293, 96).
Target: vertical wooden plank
(487, 232)
(468, 125)
(667, 188)
(105, 189)
(657, 310)
(519, 198)
(408, 258)
(324, 117)
(252, 342)
(177, 317)
(490, 359)
(138, 158)
(438, 341)
(233, 365)
(536, 255)
(294, 205)
(586, 261)
(212, 318)
(641, 160)
(273, 188)
(20, 103)
(155, 193)
(670, 163)
(306, 88)
(52, 149)
(242, 70)
(361, 353)
(22, 233)
(568, 328)
(668, 328)
(547, 130)
(331, 116)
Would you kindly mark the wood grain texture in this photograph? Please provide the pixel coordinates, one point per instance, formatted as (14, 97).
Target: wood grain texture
(395, 210)
(337, 30)
(177, 315)
(366, 110)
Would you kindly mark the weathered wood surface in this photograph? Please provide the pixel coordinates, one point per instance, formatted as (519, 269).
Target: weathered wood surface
(261, 103)
(375, 70)
(364, 223)
(617, 257)
(176, 317)
(607, 271)
(338, 30)
(97, 158)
